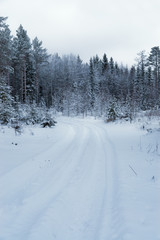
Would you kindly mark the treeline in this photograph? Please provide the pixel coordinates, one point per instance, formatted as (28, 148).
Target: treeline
(29, 76)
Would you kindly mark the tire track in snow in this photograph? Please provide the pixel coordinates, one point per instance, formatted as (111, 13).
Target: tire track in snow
(18, 181)
(73, 199)
(106, 221)
(25, 216)
(34, 167)
(111, 218)
(81, 225)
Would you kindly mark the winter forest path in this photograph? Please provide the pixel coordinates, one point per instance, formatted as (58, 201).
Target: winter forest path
(69, 190)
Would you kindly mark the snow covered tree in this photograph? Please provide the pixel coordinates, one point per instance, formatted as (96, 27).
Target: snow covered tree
(141, 79)
(6, 100)
(92, 85)
(40, 57)
(154, 62)
(105, 64)
(56, 81)
(111, 65)
(5, 50)
(6, 103)
(111, 114)
(23, 64)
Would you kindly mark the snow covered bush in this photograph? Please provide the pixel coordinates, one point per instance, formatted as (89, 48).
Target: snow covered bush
(111, 114)
(32, 114)
(14, 123)
(48, 120)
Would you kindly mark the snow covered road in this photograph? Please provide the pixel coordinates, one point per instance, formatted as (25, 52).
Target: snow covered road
(73, 182)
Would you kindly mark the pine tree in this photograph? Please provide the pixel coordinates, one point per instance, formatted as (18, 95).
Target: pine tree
(56, 71)
(137, 91)
(131, 81)
(6, 103)
(105, 64)
(40, 57)
(24, 64)
(154, 62)
(79, 86)
(149, 89)
(92, 85)
(111, 65)
(5, 50)
(111, 78)
(142, 62)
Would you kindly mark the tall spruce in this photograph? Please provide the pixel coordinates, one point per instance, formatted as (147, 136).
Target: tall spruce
(92, 85)
(5, 49)
(154, 62)
(24, 63)
(6, 102)
(40, 58)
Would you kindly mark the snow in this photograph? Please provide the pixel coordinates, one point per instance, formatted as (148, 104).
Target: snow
(83, 179)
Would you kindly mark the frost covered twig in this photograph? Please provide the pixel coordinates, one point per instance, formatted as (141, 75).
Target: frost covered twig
(133, 170)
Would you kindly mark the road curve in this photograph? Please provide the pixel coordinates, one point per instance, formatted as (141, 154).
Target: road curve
(68, 192)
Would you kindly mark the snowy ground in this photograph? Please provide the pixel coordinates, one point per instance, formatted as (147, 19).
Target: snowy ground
(81, 180)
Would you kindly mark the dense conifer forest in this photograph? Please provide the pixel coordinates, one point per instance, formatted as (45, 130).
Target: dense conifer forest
(32, 81)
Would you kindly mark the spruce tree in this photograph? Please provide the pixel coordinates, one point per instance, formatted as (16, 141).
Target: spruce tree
(105, 64)
(154, 62)
(24, 64)
(92, 85)
(5, 50)
(40, 58)
(6, 103)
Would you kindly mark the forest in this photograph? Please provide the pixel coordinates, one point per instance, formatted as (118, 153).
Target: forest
(34, 83)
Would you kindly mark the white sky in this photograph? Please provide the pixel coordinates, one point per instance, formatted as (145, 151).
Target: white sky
(119, 28)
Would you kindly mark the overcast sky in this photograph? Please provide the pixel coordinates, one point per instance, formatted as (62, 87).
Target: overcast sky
(119, 28)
